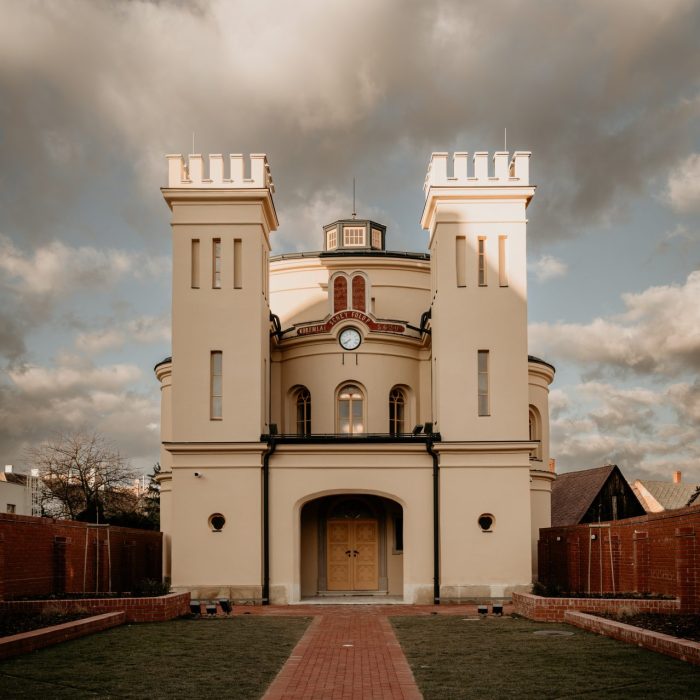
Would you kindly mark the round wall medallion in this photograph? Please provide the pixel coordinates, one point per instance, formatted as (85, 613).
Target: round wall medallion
(350, 339)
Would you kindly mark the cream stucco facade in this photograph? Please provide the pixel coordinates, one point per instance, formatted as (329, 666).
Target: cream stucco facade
(353, 421)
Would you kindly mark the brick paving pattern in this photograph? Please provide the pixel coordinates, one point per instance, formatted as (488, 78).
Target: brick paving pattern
(349, 652)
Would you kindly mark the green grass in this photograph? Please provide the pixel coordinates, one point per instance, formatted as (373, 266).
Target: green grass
(502, 658)
(223, 658)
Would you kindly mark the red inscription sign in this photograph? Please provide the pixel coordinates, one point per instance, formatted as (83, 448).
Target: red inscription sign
(351, 316)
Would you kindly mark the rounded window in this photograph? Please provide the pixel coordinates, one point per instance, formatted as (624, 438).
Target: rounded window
(486, 521)
(217, 522)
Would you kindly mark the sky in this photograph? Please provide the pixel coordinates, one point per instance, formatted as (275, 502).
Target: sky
(606, 96)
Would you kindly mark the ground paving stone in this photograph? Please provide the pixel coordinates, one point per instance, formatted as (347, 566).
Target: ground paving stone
(349, 652)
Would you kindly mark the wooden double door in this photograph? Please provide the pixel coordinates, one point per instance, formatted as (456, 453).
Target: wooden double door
(353, 555)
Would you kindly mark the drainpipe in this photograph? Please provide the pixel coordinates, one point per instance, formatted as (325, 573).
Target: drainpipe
(272, 445)
(436, 520)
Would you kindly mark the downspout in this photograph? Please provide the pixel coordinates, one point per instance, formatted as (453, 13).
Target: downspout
(272, 445)
(436, 520)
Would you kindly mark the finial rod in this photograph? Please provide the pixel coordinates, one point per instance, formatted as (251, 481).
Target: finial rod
(354, 213)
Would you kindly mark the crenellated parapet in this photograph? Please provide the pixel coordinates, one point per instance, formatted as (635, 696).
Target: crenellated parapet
(505, 170)
(252, 173)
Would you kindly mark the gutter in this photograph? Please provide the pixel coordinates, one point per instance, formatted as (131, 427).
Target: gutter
(272, 446)
(436, 519)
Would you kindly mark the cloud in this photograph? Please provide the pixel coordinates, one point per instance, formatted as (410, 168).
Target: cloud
(548, 268)
(683, 186)
(74, 394)
(56, 268)
(96, 102)
(143, 329)
(659, 333)
(647, 433)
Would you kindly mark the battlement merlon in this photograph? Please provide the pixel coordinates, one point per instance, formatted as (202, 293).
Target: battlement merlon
(191, 174)
(505, 172)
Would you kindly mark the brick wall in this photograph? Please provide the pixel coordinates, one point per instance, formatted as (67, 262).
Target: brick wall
(158, 609)
(655, 554)
(43, 556)
(544, 609)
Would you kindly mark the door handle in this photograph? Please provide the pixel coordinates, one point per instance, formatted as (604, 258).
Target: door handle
(355, 552)
(347, 551)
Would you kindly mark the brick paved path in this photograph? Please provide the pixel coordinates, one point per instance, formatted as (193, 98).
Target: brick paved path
(349, 652)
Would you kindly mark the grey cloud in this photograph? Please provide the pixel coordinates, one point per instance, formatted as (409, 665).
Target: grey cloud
(604, 95)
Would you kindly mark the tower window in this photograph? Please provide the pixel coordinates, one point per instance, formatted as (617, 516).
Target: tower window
(358, 293)
(195, 263)
(350, 410)
(483, 382)
(376, 238)
(503, 261)
(303, 405)
(353, 236)
(332, 239)
(397, 412)
(340, 294)
(216, 264)
(482, 262)
(535, 432)
(216, 384)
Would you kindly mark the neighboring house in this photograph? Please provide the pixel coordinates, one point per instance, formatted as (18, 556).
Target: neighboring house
(353, 420)
(19, 493)
(593, 495)
(657, 496)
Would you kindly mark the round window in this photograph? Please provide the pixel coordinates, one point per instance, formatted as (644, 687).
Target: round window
(486, 522)
(217, 522)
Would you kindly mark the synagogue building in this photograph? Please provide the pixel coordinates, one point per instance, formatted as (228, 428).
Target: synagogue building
(353, 421)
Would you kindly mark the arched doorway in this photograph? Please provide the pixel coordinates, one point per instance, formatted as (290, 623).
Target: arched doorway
(351, 544)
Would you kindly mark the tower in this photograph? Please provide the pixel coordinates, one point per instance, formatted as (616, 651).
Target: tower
(221, 244)
(214, 389)
(477, 226)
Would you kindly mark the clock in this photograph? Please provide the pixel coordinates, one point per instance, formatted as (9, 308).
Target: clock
(350, 339)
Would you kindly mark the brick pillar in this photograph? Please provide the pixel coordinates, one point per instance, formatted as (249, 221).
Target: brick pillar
(573, 575)
(686, 570)
(640, 562)
(543, 561)
(59, 564)
(2, 566)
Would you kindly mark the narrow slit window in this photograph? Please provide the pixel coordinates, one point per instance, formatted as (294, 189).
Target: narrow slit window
(194, 257)
(303, 412)
(216, 390)
(216, 264)
(483, 382)
(397, 412)
(237, 263)
(460, 259)
(482, 261)
(503, 261)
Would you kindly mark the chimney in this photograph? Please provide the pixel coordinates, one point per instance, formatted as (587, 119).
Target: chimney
(676, 477)
(552, 465)
(8, 469)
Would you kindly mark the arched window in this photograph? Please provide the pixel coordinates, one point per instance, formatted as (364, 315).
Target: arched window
(350, 410)
(358, 293)
(397, 412)
(303, 412)
(535, 432)
(340, 294)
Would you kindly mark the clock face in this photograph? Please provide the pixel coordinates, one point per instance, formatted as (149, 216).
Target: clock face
(350, 339)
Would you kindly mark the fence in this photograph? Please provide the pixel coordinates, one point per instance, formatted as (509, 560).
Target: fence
(43, 556)
(651, 554)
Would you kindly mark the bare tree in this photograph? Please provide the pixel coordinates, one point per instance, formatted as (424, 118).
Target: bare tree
(83, 476)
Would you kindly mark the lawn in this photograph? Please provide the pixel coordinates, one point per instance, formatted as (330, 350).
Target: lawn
(222, 658)
(506, 658)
